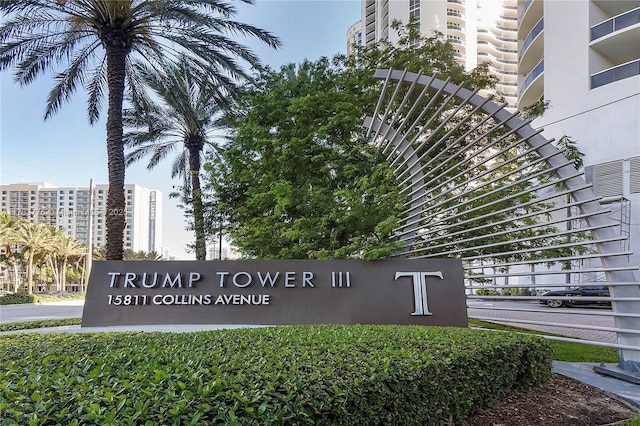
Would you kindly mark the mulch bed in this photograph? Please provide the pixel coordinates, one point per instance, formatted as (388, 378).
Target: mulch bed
(560, 402)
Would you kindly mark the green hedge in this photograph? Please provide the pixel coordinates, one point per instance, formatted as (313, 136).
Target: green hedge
(26, 325)
(17, 298)
(322, 375)
(23, 297)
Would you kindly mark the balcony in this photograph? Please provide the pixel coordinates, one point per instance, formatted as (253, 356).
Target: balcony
(537, 29)
(617, 38)
(615, 7)
(618, 73)
(532, 87)
(533, 49)
(529, 16)
(616, 23)
(455, 18)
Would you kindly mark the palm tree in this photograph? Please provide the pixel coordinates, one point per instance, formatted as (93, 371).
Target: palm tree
(99, 41)
(34, 239)
(8, 239)
(66, 248)
(141, 255)
(183, 115)
(51, 255)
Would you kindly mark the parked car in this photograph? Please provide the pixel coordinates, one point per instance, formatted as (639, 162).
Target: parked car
(578, 293)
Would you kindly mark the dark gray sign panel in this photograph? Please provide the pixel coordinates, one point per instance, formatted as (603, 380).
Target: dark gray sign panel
(276, 292)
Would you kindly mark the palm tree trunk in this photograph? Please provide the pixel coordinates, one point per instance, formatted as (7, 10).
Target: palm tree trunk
(115, 217)
(54, 269)
(63, 274)
(16, 277)
(198, 212)
(30, 272)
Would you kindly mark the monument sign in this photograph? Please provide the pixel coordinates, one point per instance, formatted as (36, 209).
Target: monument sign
(276, 292)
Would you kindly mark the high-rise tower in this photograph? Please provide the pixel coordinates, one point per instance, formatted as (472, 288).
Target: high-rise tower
(480, 31)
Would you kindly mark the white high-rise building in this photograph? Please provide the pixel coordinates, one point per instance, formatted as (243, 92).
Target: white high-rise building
(69, 208)
(480, 30)
(583, 58)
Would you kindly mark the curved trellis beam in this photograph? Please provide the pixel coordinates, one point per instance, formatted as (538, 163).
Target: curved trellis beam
(435, 157)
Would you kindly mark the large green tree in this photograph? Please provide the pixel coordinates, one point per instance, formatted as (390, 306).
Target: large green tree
(299, 180)
(184, 114)
(94, 43)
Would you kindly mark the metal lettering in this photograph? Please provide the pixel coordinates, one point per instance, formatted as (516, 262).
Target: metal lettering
(420, 289)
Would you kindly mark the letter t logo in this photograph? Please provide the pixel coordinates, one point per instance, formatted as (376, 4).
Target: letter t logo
(420, 289)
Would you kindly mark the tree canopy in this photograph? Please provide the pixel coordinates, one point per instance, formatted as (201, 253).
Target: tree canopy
(298, 179)
(182, 113)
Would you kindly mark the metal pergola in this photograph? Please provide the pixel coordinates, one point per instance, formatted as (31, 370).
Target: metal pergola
(482, 185)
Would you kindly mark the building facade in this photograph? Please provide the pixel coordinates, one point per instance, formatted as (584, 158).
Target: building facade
(70, 208)
(583, 59)
(480, 31)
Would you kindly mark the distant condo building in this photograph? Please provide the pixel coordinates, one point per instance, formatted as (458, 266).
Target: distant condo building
(69, 208)
(480, 31)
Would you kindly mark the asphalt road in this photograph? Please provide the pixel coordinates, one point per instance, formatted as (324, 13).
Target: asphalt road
(511, 312)
(503, 311)
(47, 311)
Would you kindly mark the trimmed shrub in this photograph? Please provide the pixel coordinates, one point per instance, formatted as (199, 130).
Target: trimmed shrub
(26, 325)
(17, 298)
(516, 291)
(23, 297)
(487, 292)
(321, 375)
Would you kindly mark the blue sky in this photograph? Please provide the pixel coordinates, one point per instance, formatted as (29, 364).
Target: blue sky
(66, 151)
